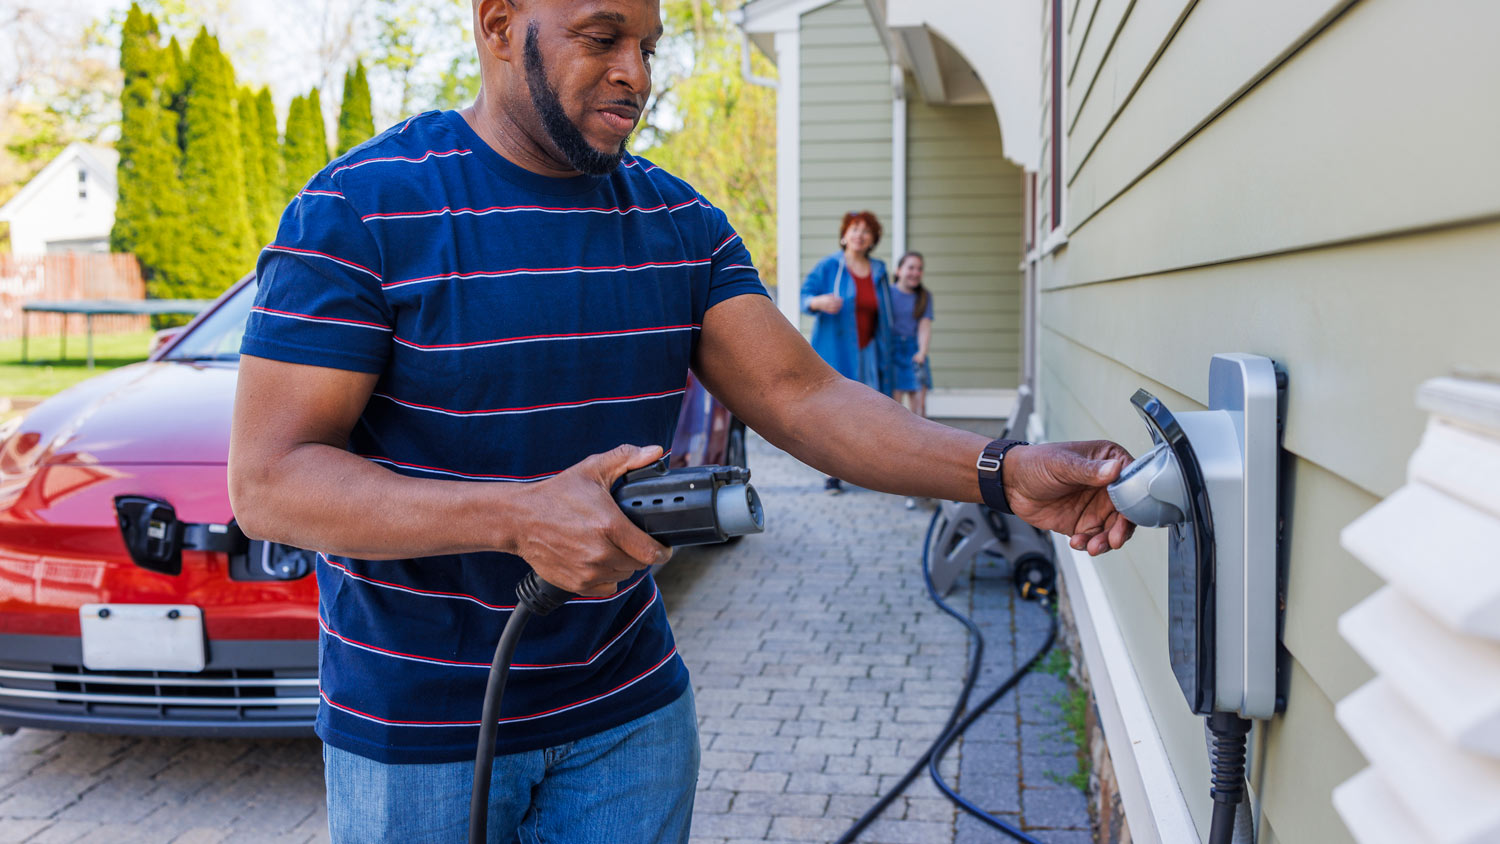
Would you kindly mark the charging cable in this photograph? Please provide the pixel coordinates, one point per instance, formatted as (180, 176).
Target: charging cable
(534, 596)
(1229, 731)
(691, 505)
(957, 721)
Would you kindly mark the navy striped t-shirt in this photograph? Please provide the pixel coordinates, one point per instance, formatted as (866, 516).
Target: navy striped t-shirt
(518, 324)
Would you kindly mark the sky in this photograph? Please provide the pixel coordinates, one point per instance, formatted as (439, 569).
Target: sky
(292, 45)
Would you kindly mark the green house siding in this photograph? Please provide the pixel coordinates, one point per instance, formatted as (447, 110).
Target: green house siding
(963, 198)
(1214, 203)
(964, 214)
(845, 125)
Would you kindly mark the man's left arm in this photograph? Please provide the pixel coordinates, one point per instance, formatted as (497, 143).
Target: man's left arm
(758, 365)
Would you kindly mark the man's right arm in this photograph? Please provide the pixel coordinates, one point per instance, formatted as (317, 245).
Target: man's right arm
(291, 480)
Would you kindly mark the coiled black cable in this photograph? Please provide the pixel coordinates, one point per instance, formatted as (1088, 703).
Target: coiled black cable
(957, 722)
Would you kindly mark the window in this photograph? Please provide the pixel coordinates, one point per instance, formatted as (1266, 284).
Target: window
(83, 183)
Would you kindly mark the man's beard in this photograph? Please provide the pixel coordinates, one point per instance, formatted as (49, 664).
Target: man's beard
(563, 133)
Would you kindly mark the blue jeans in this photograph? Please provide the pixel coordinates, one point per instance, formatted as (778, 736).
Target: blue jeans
(633, 783)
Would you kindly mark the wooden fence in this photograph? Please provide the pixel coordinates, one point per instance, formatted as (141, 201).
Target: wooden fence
(68, 277)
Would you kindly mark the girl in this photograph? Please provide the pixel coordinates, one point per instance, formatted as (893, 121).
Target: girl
(911, 331)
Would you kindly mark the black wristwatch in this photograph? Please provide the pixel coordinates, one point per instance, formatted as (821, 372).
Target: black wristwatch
(991, 466)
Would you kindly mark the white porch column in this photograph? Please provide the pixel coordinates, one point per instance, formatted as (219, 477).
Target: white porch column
(789, 174)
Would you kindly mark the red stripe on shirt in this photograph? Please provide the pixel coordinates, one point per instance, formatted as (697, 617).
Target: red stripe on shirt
(580, 599)
(396, 215)
(425, 156)
(521, 665)
(632, 681)
(497, 410)
(525, 270)
(455, 472)
(345, 261)
(651, 602)
(358, 322)
(619, 333)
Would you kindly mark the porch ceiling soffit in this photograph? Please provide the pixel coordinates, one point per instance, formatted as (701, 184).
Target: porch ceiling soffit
(974, 51)
(762, 19)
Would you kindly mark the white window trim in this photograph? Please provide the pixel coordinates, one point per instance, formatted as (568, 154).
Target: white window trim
(1054, 241)
(1057, 233)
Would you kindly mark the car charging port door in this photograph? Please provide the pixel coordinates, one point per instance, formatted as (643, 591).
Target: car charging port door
(153, 536)
(156, 538)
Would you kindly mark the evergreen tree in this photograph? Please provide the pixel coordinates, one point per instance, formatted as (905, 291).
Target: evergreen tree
(356, 115)
(271, 165)
(151, 205)
(174, 89)
(317, 131)
(305, 149)
(292, 160)
(218, 246)
(260, 194)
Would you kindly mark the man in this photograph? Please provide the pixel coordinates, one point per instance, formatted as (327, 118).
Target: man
(466, 330)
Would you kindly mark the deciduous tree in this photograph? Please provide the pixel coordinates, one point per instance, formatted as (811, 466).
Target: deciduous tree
(713, 128)
(59, 83)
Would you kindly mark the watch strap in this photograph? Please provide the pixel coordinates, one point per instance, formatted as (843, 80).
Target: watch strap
(991, 466)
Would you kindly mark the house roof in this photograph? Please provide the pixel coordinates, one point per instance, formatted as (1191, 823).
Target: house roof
(101, 162)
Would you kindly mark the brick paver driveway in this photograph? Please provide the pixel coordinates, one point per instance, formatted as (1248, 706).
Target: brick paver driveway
(822, 671)
(820, 668)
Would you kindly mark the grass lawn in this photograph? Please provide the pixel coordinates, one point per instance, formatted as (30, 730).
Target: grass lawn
(45, 374)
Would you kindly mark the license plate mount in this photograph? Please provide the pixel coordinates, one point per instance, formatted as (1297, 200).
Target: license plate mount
(142, 637)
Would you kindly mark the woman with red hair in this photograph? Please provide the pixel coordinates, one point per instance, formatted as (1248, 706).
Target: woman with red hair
(848, 293)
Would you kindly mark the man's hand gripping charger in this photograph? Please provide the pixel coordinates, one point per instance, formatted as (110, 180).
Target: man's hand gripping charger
(693, 505)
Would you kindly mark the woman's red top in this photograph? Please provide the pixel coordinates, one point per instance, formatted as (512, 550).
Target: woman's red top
(866, 309)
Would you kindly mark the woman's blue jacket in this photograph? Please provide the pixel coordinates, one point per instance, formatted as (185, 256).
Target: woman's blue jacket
(835, 337)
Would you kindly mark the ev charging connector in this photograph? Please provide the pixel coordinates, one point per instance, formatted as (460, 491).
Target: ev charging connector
(693, 505)
(1211, 479)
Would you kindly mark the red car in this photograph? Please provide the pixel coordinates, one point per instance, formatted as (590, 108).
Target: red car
(128, 602)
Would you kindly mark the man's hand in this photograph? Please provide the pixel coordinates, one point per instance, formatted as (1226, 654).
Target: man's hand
(918, 358)
(571, 531)
(1061, 487)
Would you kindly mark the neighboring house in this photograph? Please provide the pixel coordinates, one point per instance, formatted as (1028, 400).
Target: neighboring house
(67, 207)
(1312, 180)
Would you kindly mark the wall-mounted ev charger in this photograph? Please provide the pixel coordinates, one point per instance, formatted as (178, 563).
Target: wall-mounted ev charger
(1212, 480)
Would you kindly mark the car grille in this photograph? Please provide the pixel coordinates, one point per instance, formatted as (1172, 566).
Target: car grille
(232, 694)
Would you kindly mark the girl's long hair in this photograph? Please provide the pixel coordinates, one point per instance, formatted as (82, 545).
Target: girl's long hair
(922, 295)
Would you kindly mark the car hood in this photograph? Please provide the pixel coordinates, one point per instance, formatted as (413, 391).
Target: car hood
(157, 412)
